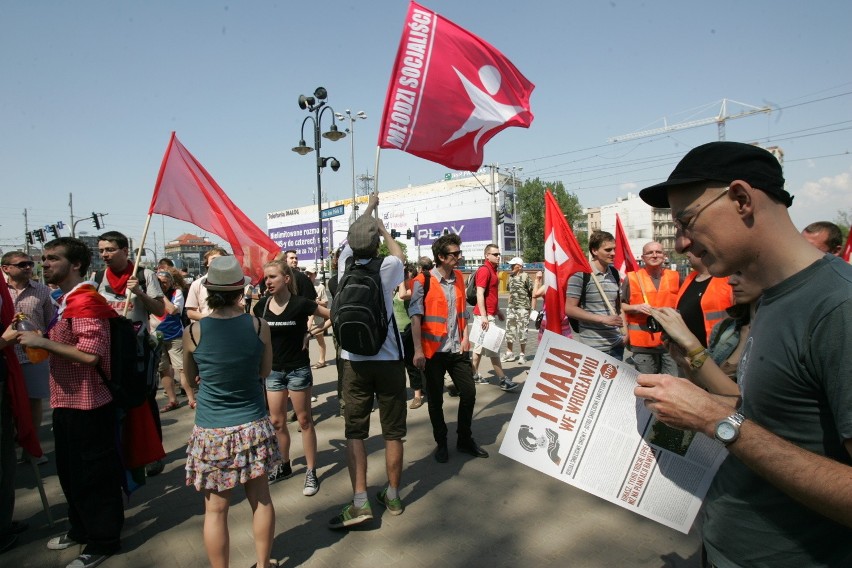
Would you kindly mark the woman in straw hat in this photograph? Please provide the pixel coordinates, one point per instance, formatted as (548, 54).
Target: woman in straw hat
(233, 441)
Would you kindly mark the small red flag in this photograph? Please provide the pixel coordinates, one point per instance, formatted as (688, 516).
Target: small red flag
(562, 258)
(187, 192)
(624, 260)
(847, 250)
(450, 92)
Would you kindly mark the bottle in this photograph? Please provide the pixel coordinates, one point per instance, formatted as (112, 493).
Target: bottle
(34, 354)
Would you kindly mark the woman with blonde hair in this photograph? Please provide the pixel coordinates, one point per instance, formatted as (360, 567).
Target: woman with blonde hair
(233, 441)
(287, 314)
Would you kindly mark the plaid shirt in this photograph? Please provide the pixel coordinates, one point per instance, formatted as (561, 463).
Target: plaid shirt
(35, 301)
(74, 385)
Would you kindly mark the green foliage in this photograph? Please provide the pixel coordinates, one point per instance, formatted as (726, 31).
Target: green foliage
(383, 248)
(531, 204)
(844, 220)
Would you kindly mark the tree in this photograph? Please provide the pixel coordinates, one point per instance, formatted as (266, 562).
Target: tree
(383, 249)
(844, 220)
(531, 204)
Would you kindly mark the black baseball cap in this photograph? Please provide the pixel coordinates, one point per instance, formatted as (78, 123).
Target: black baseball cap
(723, 162)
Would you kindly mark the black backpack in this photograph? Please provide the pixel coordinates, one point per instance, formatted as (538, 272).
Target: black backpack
(470, 291)
(575, 323)
(358, 313)
(133, 363)
(134, 357)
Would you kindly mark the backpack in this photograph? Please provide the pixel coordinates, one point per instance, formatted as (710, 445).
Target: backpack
(470, 291)
(575, 323)
(134, 354)
(134, 358)
(358, 313)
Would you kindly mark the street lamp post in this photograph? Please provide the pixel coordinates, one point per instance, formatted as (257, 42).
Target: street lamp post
(351, 130)
(318, 106)
(515, 212)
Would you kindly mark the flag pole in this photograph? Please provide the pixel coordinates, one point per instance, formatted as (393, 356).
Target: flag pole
(137, 260)
(376, 186)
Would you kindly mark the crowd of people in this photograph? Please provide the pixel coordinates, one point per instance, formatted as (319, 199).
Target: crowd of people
(743, 349)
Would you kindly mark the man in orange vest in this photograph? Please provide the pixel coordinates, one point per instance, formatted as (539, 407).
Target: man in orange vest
(652, 286)
(440, 333)
(703, 299)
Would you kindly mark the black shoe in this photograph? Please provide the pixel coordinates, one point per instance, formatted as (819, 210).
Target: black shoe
(7, 542)
(441, 454)
(471, 447)
(15, 527)
(155, 468)
(452, 390)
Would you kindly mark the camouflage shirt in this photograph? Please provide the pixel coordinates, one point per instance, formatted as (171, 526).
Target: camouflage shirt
(520, 290)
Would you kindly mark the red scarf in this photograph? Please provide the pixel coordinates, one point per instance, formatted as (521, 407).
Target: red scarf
(118, 282)
(84, 301)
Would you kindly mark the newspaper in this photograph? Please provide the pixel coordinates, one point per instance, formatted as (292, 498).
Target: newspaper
(491, 339)
(577, 420)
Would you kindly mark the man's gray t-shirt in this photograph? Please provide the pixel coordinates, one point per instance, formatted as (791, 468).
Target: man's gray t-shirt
(599, 336)
(136, 311)
(796, 382)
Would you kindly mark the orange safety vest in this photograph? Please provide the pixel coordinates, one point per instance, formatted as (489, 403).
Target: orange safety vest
(717, 298)
(666, 296)
(433, 323)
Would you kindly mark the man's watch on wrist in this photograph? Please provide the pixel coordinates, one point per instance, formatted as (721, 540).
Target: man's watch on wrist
(697, 361)
(728, 429)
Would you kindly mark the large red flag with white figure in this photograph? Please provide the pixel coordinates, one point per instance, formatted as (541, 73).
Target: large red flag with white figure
(450, 92)
(187, 192)
(624, 260)
(562, 258)
(846, 253)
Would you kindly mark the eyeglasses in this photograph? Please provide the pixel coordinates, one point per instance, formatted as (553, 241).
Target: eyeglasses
(455, 253)
(685, 226)
(653, 253)
(493, 254)
(22, 265)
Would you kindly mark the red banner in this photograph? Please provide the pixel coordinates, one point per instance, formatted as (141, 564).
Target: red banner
(187, 192)
(450, 92)
(624, 260)
(562, 258)
(847, 250)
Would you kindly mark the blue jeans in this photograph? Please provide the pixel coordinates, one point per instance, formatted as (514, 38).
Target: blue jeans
(295, 380)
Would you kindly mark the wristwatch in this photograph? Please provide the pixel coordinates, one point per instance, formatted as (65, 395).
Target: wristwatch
(728, 430)
(697, 361)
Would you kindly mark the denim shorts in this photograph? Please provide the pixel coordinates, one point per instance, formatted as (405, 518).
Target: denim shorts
(295, 380)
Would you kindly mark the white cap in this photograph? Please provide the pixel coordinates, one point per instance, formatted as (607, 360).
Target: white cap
(516, 260)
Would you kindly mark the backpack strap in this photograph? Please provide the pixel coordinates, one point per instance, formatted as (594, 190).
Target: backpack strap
(257, 319)
(192, 335)
(586, 278)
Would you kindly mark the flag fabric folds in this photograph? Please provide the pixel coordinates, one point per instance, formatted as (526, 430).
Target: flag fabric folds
(450, 92)
(562, 258)
(185, 191)
(846, 253)
(624, 260)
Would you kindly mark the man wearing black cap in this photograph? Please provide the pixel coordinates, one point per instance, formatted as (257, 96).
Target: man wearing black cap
(784, 497)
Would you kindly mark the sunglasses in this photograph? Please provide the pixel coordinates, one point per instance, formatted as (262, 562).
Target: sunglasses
(22, 265)
(455, 253)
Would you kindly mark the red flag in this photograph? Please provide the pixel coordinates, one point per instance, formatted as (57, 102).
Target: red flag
(187, 192)
(450, 92)
(624, 260)
(847, 250)
(16, 388)
(562, 258)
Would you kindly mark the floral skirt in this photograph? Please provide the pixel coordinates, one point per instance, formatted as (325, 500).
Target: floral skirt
(218, 459)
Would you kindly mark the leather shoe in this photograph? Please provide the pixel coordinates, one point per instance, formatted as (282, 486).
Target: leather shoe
(472, 448)
(441, 454)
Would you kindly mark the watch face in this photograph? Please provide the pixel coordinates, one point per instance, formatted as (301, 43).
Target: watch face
(726, 431)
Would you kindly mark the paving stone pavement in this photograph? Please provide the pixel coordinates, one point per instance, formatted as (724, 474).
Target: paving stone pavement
(468, 512)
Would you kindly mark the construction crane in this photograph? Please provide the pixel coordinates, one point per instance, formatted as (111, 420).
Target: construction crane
(719, 119)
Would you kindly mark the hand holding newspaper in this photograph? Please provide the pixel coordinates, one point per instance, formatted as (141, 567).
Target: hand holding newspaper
(491, 339)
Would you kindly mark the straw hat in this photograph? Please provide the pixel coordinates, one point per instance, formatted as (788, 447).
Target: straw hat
(225, 275)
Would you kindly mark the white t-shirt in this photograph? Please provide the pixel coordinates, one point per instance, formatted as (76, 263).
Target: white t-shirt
(392, 275)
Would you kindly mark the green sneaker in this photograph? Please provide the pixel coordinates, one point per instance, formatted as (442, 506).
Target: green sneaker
(394, 506)
(350, 516)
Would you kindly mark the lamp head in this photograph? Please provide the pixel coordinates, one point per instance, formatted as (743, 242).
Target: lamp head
(334, 134)
(331, 162)
(335, 165)
(339, 116)
(302, 148)
(362, 114)
(305, 102)
(321, 93)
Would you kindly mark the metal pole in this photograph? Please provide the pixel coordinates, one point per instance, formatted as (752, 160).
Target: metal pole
(71, 208)
(319, 191)
(493, 193)
(352, 155)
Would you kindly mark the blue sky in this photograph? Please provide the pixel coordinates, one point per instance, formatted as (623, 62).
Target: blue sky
(91, 91)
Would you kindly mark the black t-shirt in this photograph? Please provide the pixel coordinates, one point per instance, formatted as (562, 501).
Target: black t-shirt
(288, 332)
(690, 310)
(304, 286)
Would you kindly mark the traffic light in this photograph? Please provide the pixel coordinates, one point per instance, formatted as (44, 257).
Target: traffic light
(30, 239)
(54, 231)
(95, 220)
(394, 233)
(501, 216)
(409, 234)
(39, 235)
